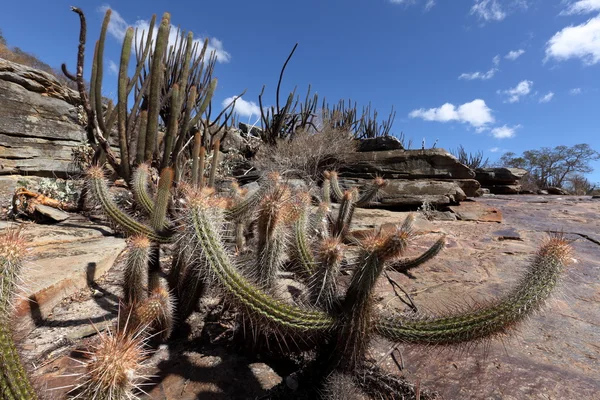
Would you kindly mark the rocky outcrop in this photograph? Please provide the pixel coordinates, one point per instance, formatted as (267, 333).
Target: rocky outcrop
(404, 164)
(500, 180)
(381, 143)
(415, 177)
(39, 122)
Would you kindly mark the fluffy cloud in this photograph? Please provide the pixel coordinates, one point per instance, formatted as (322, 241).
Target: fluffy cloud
(582, 7)
(575, 91)
(547, 97)
(494, 149)
(118, 26)
(488, 10)
(579, 41)
(505, 131)
(476, 113)
(428, 4)
(522, 89)
(242, 107)
(514, 54)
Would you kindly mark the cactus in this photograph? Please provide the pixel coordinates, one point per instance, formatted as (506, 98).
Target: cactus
(14, 382)
(113, 366)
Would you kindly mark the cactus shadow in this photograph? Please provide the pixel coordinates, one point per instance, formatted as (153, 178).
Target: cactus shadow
(107, 301)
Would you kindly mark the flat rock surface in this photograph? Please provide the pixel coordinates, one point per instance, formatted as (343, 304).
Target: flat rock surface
(554, 355)
(65, 258)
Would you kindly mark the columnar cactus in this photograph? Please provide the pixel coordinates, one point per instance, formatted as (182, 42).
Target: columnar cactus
(14, 382)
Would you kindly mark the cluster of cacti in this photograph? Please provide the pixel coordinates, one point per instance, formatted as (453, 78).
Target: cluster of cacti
(172, 84)
(309, 240)
(240, 242)
(14, 382)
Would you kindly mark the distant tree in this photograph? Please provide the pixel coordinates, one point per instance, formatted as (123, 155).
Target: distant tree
(552, 166)
(579, 185)
(471, 160)
(2, 39)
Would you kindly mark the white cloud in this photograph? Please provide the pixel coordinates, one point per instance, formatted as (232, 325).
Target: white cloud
(112, 67)
(579, 41)
(118, 26)
(476, 113)
(428, 4)
(547, 97)
(495, 149)
(488, 10)
(582, 7)
(505, 131)
(522, 89)
(575, 91)
(484, 76)
(514, 54)
(242, 107)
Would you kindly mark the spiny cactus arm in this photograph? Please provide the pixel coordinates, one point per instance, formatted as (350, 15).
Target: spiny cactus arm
(14, 382)
(122, 104)
(210, 90)
(240, 210)
(172, 127)
(371, 192)
(153, 315)
(326, 189)
(199, 182)
(336, 190)
(323, 287)
(135, 275)
(406, 265)
(99, 61)
(185, 127)
(140, 188)
(163, 195)
(99, 191)
(346, 211)
(357, 307)
(156, 83)
(253, 298)
(496, 318)
(141, 58)
(141, 137)
(302, 253)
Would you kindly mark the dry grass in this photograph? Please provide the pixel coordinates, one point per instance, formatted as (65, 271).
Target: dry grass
(306, 155)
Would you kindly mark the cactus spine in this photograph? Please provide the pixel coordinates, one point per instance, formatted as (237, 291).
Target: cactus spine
(14, 382)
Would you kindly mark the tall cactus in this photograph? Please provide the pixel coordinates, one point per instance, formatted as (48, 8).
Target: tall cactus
(14, 382)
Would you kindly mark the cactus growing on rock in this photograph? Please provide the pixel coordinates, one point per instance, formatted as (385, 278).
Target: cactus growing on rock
(14, 382)
(343, 320)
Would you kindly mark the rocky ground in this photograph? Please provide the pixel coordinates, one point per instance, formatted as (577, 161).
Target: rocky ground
(555, 355)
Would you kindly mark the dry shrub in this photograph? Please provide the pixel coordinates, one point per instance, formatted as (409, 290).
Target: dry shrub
(306, 155)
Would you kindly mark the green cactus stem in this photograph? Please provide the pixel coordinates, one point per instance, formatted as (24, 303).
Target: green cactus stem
(122, 104)
(406, 265)
(156, 83)
(495, 318)
(99, 190)
(135, 275)
(204, 217)
(214, 163)
(14, 382)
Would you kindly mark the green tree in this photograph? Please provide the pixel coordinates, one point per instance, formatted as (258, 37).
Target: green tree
(552, 166)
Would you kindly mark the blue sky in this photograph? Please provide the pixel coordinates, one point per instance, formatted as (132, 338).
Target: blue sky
(491, 75)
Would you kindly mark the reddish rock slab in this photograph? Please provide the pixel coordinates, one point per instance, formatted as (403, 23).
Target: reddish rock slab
(476, 211)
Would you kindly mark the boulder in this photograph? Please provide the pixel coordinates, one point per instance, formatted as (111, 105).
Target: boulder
(39, 123)
(415, 192)
(381, 143)
(495, 176)
(403, 164)
(557, 190)
(250, 129)
(504, 189)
